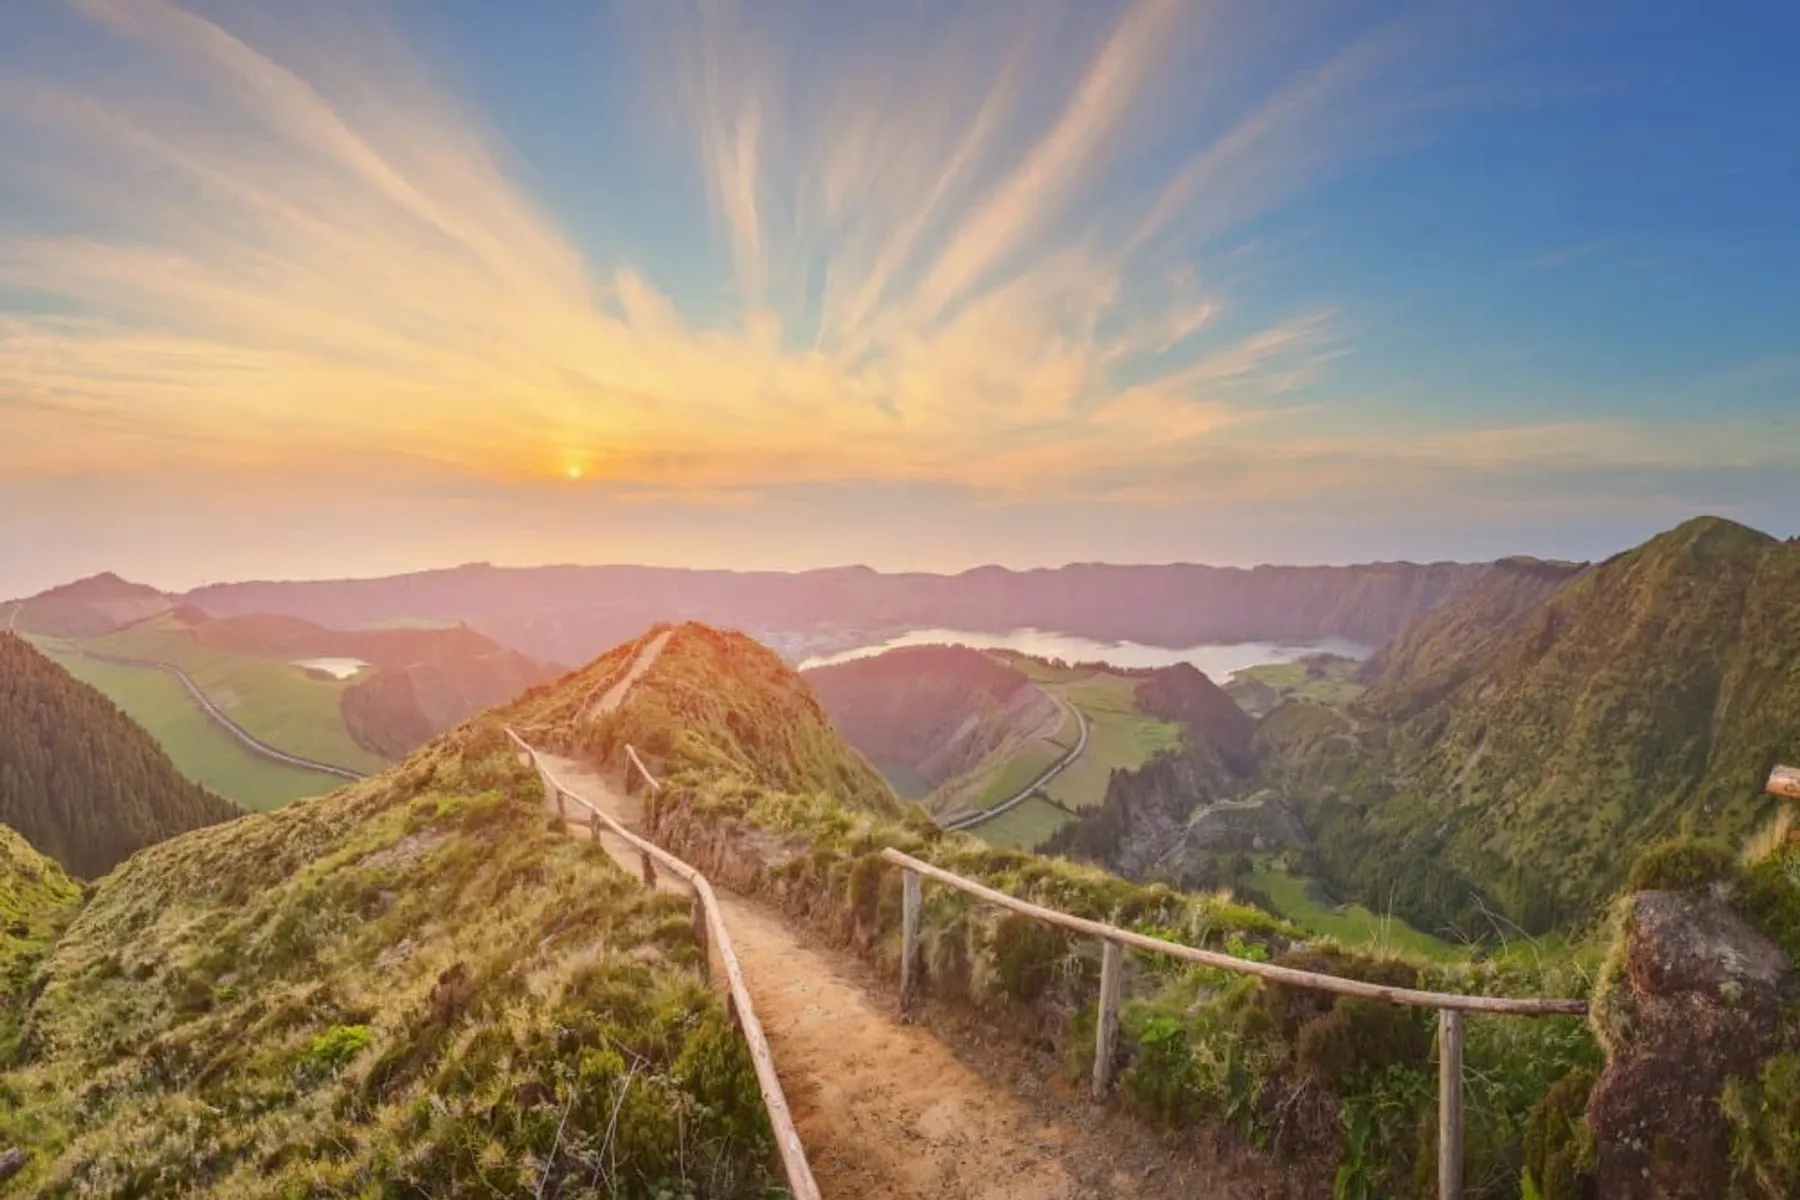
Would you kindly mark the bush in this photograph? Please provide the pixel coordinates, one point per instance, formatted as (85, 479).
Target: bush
(1681, 865)
(1764, 1114)
(1559, 1146)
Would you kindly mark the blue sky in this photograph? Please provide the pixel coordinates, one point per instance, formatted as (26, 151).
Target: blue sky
(346, 289)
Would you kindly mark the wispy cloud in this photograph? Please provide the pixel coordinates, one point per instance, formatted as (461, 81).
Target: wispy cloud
(281, 243)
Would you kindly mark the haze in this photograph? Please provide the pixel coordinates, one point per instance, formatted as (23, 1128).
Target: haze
(338, 289)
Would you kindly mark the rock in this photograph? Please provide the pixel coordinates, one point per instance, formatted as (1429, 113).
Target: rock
(1697, 997)
(11, 1163)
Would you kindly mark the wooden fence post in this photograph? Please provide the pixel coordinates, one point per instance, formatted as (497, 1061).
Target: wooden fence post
(1106, 1028)
(594, 825)
(909, 937)
(649, 869)
(700, 935)
(1450, 1103)
(562, 805)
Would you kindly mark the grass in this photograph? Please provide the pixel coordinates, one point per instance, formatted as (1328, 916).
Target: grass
(905, 779)
(413, 986)
(276, 701)
(1119, 737)
(200, 749)
(1335, 684)
(36, 901)
(1016, 773)
(1295, 898)
(1025, 826)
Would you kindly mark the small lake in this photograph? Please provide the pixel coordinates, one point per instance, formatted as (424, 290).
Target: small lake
(337, 668)
(1218, 661)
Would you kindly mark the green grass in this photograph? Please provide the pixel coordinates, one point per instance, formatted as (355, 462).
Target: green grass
(1336, 685)
(1352, 924)
(36, 900)
(276, 701)
(200, 749)
(1025, 826)
(416, 986)
(1017, 772)
(905, 779)
(1119, 736)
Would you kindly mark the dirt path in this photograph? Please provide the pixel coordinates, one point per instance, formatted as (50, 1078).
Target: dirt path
(615, 695)
(887, 1109)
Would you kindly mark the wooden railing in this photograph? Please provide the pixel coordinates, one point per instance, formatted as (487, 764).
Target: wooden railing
(1114, 941)
(709, 926)
(1785, 782)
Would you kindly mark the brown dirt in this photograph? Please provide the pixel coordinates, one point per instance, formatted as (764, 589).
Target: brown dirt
(891, 1109)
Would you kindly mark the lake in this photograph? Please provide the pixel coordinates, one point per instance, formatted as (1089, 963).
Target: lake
(337, 668)
(1218, 661)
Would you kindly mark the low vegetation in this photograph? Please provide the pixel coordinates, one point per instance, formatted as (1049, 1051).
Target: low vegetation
(413, 986)
(36, 901)
(1329, 679)
(1338, 1087)
(78, 779)
(199, 748)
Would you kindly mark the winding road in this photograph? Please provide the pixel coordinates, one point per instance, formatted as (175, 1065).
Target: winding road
(1056, 768)
(250, 741)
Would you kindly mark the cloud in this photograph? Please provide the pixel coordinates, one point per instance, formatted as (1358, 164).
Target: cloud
(263, 240)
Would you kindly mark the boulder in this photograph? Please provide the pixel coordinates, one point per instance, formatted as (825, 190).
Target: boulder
(1694, 998)
(11, 1163)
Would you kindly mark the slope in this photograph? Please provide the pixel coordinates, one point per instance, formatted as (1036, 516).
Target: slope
(1523, 754)
(86, 608)
(36, 900)
(930, 717)
(78, 779)
(765, 798)
(412, 986)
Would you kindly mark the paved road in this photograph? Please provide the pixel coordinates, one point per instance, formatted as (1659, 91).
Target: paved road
(250, 741)
(1056, 768)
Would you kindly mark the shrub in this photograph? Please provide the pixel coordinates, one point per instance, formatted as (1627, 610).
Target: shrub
(1764, 1114)
(1559, 1146)
(1681, 865)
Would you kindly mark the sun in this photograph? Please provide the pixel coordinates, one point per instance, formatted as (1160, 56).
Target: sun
(573, 472)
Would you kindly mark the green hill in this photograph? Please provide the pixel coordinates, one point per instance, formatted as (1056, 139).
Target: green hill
(36, 900)
(1518, 755)
(415, 986)
(350, 699)
(78, 778)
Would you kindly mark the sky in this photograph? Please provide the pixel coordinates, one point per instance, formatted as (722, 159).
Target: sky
(341, 289)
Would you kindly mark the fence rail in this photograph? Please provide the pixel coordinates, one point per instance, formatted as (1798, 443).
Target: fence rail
(1115, 941)
(1785, 782)
(709, 926)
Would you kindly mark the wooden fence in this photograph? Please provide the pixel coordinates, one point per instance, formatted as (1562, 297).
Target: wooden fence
(1785, 782)
(709, 927)
(1114, 942)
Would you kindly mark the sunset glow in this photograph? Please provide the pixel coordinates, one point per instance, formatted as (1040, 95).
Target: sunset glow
(996, 259)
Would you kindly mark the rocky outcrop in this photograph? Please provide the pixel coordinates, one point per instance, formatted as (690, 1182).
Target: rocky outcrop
(1693, 997)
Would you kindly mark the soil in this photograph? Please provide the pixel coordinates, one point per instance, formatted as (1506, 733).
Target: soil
(891, 1108)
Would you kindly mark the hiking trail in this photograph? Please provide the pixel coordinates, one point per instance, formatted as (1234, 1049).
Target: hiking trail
(886, 1108)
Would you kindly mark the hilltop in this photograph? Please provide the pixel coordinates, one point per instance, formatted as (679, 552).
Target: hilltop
(1518, 753)
(405, 987)
(78, 778)
(87, 607)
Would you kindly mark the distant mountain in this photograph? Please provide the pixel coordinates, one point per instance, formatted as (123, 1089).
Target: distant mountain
(78, 778)
(1518, 754)
(88, 607)
(569, 614)
(931, 715)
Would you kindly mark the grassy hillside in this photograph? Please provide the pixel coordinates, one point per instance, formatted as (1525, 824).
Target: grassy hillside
(36, 901)
(1327, 679)
(1647, 697)
(199, 749)
(78, 778)
(86, 608)
(414, 986)
(764, 795)
(950, 716)
(408, 686)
